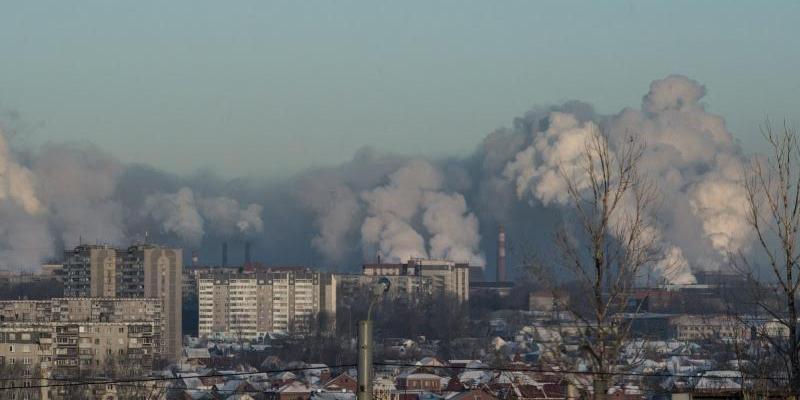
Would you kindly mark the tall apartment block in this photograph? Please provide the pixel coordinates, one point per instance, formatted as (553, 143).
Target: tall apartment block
(140, 271)
(446, 277)
(247, 305)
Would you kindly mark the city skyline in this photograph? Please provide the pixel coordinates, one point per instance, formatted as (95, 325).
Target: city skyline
(353, 200)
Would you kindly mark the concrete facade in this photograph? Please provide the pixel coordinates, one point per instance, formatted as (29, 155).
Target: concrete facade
(247, 305)
(140, 271)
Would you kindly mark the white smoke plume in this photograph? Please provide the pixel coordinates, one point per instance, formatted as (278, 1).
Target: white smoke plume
(338, 209)
(391, 209)
(227, 218)
(454, 230)
(560, 150)
(394, 209)
(16, 182)
(698, 167)
(177, 213)
(689, 154)
(24, 233)
(184, 214)
(77, 185)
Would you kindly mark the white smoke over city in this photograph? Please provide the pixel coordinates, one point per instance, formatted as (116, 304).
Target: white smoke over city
(392, 226)
(186, 215)
(388, 205)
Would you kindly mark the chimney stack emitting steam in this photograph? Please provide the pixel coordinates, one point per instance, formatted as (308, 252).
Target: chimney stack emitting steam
(246, 253)
(501, 254)
(224, 254)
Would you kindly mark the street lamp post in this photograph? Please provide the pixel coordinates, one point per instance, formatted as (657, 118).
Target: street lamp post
(364, 391)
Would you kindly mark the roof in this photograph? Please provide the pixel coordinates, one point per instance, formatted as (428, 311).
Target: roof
(421, 375)
(294, 387)
(193, 352)
(473, 394)
(333, 396)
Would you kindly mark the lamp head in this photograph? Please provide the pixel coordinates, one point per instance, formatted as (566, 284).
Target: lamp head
(381, 286)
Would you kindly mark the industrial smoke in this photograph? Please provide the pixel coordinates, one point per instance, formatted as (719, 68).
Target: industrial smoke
(389, 205)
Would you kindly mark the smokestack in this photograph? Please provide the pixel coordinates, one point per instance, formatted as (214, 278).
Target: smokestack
(224, 254)
(501, 254)
(246, 253)
(195, 258)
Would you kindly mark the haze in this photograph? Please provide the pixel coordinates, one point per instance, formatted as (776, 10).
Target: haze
(268, 89)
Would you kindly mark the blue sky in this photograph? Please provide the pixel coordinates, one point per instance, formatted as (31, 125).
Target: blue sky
(268, 88)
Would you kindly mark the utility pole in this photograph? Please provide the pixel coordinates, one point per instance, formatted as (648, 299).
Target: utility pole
(365, 345)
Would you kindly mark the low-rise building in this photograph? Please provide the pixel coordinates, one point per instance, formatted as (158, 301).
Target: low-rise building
(446, 277)
(709, 327)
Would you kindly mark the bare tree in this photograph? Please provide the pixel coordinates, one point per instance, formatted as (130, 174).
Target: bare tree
(602, 258)
(772, 187)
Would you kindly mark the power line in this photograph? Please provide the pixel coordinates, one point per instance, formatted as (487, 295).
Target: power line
(477, 368)
(576, 372)
(144, 380)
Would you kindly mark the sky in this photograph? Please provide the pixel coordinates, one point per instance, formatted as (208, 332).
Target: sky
(257, 88)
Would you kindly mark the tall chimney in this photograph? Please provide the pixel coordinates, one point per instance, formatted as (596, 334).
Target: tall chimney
(501, 254)
(195, 258)
(224, 254)
(246, 253)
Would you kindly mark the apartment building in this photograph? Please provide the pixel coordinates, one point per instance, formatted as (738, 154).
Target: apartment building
(83, 310)
(140, 271)
(70, 331)
(403, 287)
(446, 277)
(247, 305)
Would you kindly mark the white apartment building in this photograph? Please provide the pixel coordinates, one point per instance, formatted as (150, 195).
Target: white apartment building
(248, 305)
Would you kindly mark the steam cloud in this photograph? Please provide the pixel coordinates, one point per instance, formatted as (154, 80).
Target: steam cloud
(387, 204)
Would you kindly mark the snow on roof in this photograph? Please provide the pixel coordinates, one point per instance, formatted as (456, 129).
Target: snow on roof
(421, 375)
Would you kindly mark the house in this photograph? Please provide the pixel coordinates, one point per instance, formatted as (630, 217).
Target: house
(419, 381)
(284, 378)
(195, 357)
(332, 396)
(625, 392)
(342, 383)
(240, 396)
(474, 394)
(431, 362)
(290, 391)
(317, 372)
(233, 386)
